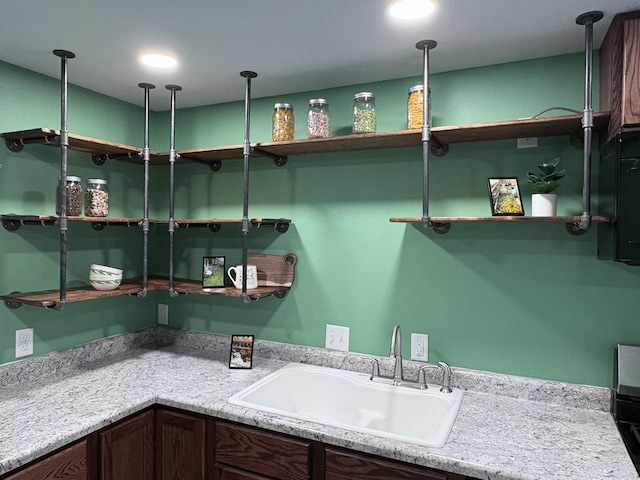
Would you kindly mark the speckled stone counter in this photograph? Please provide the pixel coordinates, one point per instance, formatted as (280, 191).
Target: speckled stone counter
(508, 428)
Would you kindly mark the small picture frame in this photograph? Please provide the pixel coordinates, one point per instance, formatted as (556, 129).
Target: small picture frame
(504, 195)
(212, 272)
(241, 353)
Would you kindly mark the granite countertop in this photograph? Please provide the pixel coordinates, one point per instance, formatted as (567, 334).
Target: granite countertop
(508, 428)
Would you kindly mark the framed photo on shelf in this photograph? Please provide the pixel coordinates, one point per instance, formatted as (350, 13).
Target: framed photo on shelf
(241, 351)
(212, 272)
(504, 195)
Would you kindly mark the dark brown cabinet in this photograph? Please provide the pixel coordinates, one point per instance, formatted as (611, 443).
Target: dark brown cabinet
(69, 463)
(170, 444)
(341, 464)
(244, 452)
(180, 446)
(127, 449)
(620, 72)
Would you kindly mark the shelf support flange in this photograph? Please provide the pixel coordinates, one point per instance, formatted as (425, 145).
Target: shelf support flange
(278, 160)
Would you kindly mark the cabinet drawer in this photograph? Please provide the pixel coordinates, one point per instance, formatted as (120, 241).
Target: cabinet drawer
(265, 453)
(358, 466)
(70, 464)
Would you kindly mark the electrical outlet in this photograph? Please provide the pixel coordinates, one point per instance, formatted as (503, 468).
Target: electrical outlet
(420, 347)
(337, 338)
(530, 142)
(24, 342)
(163, 314)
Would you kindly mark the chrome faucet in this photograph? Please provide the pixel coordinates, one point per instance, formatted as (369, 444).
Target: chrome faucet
(396, 353)
(398, 377)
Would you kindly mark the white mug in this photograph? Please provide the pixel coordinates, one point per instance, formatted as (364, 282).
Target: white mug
(236, 278)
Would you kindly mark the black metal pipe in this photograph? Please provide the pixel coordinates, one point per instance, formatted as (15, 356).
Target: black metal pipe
(246, 152)
(64, 147)
(145, 219)
(587, 19)
(172, 163)
(425, 46)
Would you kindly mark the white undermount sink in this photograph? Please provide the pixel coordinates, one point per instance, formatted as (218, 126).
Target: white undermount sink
(352, 401)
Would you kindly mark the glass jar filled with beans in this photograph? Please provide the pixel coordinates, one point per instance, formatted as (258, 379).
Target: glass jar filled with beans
(364, 113)
(415, 107)
(283, 122)
(73, 187)
(96, 198)
(318, 118)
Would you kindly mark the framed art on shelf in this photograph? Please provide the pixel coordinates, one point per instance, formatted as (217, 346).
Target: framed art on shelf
(504, 195)
(212, 272)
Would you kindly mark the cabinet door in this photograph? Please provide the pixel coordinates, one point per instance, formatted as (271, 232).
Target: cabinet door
(358, 466)
(619, 65)
(126, 449)
(260, 452)
(180, 446)
(70, 464)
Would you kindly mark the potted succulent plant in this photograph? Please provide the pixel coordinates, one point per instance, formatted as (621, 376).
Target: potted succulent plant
(544, 202)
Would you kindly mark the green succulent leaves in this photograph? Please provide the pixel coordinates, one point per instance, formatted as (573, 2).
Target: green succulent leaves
(547, 180)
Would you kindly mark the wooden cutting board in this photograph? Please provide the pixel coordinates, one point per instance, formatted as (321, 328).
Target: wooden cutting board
(274, 270)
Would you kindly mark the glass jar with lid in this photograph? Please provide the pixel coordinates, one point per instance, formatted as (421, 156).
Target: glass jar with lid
(364, 113)
(73, 187)
(96, 198)
(318, 118)
(283, 122)
(415, 107)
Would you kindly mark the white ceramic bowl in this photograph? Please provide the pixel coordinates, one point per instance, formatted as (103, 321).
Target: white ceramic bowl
(104, 270)
(110, 284)
(102, 277)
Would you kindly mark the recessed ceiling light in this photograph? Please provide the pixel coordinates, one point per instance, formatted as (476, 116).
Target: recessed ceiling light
(158, 60)
(412, 9)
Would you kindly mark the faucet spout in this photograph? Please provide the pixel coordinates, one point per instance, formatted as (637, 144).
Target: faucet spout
(396, 353)
(396, 342)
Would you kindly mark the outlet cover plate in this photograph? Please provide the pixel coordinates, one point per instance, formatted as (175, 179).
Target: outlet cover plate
(337, 338)
(420, 347)
(24, 342)
(163, 314)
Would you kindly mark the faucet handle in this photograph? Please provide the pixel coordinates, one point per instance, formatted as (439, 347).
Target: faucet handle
(446, 377)
(375, 367)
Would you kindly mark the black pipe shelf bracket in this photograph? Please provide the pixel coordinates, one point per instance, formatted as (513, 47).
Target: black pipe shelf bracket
(278, 160)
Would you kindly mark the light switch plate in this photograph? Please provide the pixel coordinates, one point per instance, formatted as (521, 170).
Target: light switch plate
(337, 338)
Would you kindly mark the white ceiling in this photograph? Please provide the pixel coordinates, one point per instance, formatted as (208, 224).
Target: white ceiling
(293, 45)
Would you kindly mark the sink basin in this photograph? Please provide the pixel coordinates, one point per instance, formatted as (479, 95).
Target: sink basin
(352, 401)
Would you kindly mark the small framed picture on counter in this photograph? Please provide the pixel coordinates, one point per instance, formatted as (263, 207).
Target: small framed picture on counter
(212, 272)
(241, 351)
(504, 195)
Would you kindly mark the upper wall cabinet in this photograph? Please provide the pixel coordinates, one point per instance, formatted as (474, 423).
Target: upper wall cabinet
(620, 72)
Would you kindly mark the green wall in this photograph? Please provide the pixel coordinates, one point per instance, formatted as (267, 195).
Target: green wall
(520, 299)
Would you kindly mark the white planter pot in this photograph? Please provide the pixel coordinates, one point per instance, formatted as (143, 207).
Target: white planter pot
(544, 204)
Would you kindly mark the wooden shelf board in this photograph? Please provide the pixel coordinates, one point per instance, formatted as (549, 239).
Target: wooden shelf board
(46, 136)
(50, 298)
(446, 135)
(503, 130)
(195, 287)
(521, 219)
(47, 220)
(219, 221)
